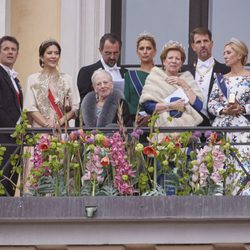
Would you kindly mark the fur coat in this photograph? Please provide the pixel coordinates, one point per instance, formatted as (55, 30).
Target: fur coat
(108, 115)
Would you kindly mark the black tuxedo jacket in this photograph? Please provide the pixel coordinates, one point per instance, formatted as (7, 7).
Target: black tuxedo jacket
(9, 104)
(10, 112)
(218, 68)
(84, 77)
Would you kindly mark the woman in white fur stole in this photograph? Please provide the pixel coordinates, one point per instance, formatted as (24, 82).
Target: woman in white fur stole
(175, 96)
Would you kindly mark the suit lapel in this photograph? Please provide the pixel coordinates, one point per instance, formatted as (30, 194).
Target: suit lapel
(122, 69)
(216, 69)
(192, 69)
(9, 83)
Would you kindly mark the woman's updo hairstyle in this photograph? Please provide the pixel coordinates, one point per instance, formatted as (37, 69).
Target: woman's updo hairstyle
(240, 48)
(44, 45)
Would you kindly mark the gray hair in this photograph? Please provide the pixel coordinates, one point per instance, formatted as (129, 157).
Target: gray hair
(100, 72)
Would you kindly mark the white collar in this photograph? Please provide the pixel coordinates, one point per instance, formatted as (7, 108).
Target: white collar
(107, 67)
(206, 63)
(11, 72)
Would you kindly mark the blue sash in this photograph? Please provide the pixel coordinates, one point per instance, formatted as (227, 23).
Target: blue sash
(136, 81)
(221, 84)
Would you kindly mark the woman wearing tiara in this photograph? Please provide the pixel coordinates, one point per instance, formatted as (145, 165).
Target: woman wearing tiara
(51, 99)
(175, 96)
(135, 79)
(229, 100)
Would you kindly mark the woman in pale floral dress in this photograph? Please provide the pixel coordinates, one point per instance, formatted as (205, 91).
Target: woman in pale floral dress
(229, 100)
(51, 99)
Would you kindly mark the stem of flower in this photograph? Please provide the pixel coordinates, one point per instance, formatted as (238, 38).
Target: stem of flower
(155, 173)
(57, 186)
(67, 173)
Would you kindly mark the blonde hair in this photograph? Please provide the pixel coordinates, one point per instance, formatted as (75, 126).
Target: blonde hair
(173, 45)
(240, 48)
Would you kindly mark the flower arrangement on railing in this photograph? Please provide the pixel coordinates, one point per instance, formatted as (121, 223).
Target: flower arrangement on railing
(93, 163)
(213, 168)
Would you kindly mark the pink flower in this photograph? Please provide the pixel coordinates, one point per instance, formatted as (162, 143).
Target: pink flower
(122, 167)
(216, 177)
(73, 136)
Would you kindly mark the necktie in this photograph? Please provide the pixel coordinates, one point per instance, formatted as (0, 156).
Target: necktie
(17, 92)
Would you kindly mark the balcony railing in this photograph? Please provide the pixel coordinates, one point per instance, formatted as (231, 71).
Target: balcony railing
(106, 220)
(159, 179)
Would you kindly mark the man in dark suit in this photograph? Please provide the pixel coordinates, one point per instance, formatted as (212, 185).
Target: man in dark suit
(204, 68)
(110, 49)
(11, 99)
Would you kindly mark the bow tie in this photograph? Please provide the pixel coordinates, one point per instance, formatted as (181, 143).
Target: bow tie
(13, 74)
(203, 65)
(114, 68)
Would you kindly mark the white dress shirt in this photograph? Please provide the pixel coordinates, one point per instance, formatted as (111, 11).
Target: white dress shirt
(203, 75)
(118, 81)
(13, 74)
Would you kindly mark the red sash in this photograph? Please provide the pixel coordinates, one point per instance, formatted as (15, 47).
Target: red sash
(18, 99)
(54, 105)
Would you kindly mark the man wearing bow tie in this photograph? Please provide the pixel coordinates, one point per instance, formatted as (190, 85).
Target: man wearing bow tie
(110, 49)
(11, 100)
(204, 68)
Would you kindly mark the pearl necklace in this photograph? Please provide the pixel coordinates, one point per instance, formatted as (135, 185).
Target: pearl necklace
(202, 75)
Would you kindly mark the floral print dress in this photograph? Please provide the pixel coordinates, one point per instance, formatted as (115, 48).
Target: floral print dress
(240, 86)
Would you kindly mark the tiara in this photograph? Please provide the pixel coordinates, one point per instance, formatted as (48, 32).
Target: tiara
(48, 41)
(172, 43)
(144, 34)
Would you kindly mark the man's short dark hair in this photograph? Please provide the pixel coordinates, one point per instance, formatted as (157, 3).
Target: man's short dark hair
(10, 39)
(113, 38)
(200, 31)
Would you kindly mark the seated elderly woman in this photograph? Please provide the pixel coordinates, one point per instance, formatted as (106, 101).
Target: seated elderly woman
(175, 96)
(100, 108)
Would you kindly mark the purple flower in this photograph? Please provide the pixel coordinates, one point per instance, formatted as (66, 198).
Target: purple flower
(208, 133)
(197, 134)
(135, 135)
